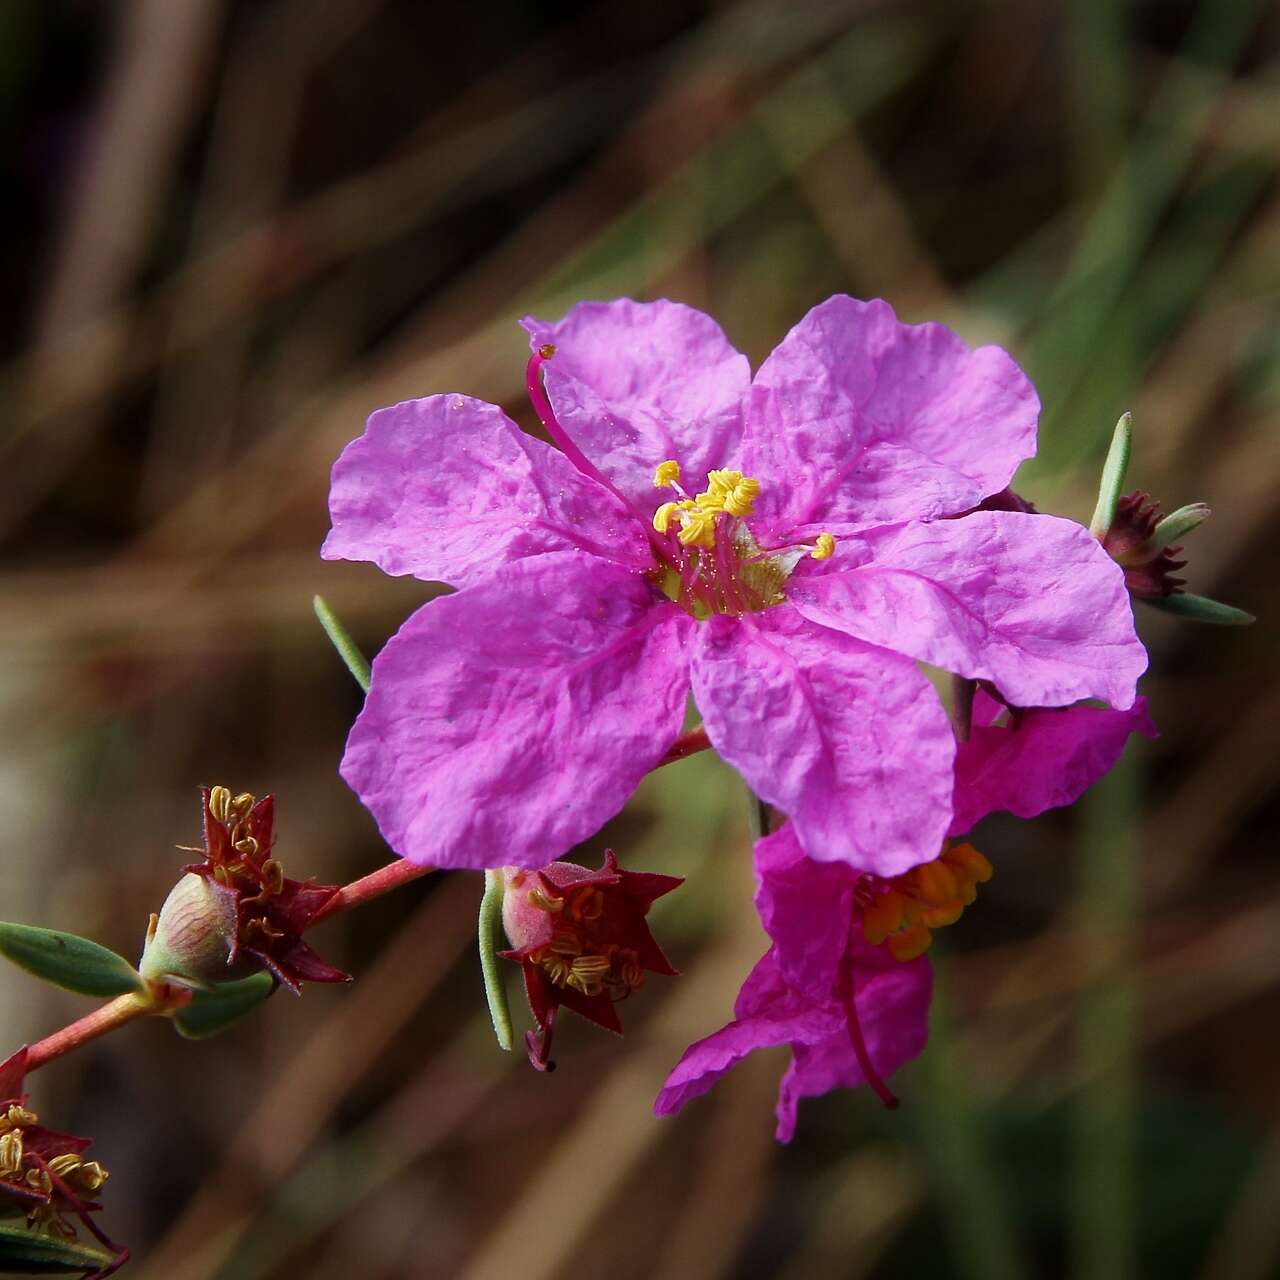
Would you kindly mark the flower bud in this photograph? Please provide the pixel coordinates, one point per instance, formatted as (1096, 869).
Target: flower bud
(191, 940)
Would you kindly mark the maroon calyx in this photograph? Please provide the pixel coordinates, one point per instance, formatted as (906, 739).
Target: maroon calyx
(1149, 568)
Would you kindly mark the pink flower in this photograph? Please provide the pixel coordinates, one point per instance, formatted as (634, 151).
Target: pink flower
(1027, 761)
(845, 982)
(773, 545)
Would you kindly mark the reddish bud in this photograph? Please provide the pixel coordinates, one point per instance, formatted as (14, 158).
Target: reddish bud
(582, 940)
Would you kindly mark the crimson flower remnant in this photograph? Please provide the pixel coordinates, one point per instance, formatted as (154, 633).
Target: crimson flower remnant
(236, 912)
(582, 941)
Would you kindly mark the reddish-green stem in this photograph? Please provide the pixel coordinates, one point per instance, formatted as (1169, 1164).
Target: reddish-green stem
(687, 744)
(374, 885)
(162, 998)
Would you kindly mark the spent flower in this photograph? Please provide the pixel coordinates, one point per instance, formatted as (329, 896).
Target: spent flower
(581, 940)
(236, 911)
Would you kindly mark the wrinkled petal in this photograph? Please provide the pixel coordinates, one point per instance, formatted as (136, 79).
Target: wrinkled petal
(449, 488)
(777, 1017)
(806, 908)
(851, 741)
(1029, 602)
(508, 722)
(1049, 758)
(856, 418)
(636, 383)
(893, 1012)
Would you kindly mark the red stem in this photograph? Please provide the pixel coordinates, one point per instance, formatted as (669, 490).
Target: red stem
(374, 885)
(687, 744)
(122, 1009)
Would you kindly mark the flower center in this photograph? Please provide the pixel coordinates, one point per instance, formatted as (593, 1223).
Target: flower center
(713, 563)
(902, 912)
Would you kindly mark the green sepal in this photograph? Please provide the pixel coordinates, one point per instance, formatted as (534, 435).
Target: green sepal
(1200, 609)
(1113, 473)
(490, 941)
(68, 961)
(1177, 524)
(215, 1010)
(31, 1253)
(341, 640)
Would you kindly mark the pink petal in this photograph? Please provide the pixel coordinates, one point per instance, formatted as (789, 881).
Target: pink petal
(851, 741)
(893, 1012)
(448, 488)
(806, 908)
(636, 383)
(858, 419)
(1051, 758)
(1029, 602)
(508, 722)
(779, 1017)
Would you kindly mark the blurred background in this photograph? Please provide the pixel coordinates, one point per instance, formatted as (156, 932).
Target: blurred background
(233, 229)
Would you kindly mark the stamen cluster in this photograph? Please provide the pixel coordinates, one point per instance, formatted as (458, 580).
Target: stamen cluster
(902, 912)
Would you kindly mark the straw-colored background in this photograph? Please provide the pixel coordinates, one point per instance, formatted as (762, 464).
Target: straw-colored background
(233, 229)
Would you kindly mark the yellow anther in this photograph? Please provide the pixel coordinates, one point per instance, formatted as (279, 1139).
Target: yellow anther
(220, 805)
(666, 473)
(883, 917)
(565, 944)
(697, 528)
(10, 1153)
(588, 904)
(970, 863)
(545, 902)
(272, 876)
(738, 501)
(664, 515)
(247, 844)
(89, 1176)
(937, 883)
(910, 943)
(547, 350)
(824, 548)
(944, 914)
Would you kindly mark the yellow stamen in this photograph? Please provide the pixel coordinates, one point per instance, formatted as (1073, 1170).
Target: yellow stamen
(666, 473)
(664, 515)
(966, 858)
(825, 548)
(11, 1153)
(883, 917)
(910, 943)
(738, 501)
(937, 883)
(944, 914)
(545, 902)
(697, 528)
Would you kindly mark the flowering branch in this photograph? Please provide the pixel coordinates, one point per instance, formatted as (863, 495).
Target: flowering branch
(161, 998)
(367, 888)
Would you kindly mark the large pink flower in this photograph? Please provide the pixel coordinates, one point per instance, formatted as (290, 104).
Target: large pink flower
(845, 983)
(509, 721)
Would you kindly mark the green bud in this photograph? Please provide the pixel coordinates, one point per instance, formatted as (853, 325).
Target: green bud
(191, 940)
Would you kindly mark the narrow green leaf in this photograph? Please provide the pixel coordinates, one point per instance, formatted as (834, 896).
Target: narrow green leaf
(347, 648)
(490, 939)
(1113, 473)
(213, 1011)
(1201, 609)
(1177, 524)
(68, 961)
(30, 1253)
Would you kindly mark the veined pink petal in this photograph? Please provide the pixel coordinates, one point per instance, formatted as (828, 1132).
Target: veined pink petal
(1029, 602)
(1050, 758)
(857, 419)
(508, 722)
(449, 488)
(851, 741)
(893, 1011)
(636, 383)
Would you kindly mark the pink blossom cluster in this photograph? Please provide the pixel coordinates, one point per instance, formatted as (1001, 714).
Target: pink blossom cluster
(787, 548)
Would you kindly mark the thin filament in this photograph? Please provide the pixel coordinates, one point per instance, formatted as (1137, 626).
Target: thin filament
(848, 999)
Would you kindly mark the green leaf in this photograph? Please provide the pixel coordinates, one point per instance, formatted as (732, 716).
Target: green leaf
(30, 1253)
(347, 648)
(68, 961)
(1113, 473)
(490, 939)
(213, 1011)
(1201, 609)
